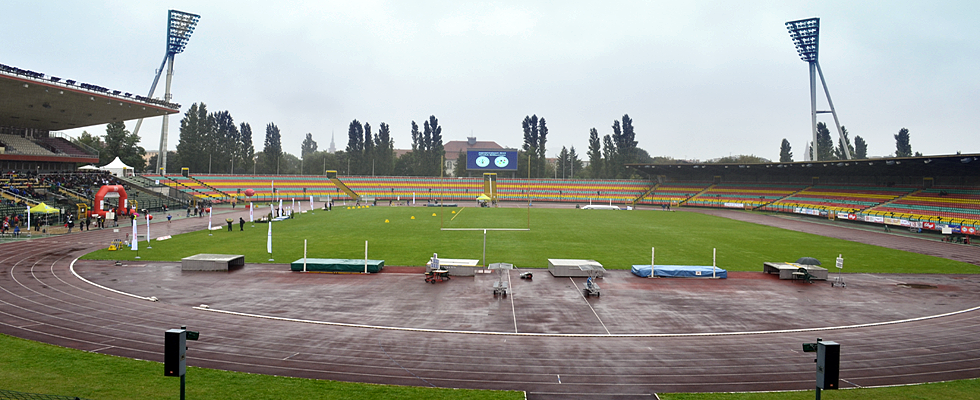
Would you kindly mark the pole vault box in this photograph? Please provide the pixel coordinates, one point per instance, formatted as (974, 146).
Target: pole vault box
(337, 265)
(561, 268)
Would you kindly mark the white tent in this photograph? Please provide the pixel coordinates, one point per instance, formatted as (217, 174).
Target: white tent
(118, 168)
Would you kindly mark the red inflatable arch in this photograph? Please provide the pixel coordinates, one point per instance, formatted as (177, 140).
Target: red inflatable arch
(100, 196)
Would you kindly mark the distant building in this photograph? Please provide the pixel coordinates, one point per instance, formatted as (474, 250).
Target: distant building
(454, 147)
(333, 148)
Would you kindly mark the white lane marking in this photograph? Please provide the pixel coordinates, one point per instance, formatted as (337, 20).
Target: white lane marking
(590, 307)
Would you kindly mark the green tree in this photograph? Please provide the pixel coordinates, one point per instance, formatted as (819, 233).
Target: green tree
(595, 154)
(432, 133)
(368, 156)
(355, 147)
(152, 161)
(860, 148)
(785, 152)
(193, 145)
(90, 141)
(608, 155)
(223, 142)
(308, 147)
(121, 143)
(535, 140)
(903, 148)
(384, 149)
(740, 159)
(273, 149)
(562, 164)
(460, 168)
(845, 139)
(825, 145)
(575, 164)
(246, 151)
(625, 143)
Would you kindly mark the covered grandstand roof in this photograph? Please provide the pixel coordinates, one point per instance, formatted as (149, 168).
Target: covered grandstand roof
(956, 169)
(33, 100)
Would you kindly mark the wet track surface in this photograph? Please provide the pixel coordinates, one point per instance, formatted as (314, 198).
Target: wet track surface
(642, 336)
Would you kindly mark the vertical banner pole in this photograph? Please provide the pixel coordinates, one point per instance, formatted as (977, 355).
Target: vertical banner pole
(653, 263)
(484, 247)
(365, 256)
(149, 245)
(714, 253)
(304, 255)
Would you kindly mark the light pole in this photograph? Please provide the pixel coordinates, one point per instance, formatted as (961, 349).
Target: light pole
(806, 36)
(180, 26)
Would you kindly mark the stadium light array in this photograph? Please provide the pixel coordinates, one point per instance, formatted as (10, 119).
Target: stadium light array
(806, 36)
(180, 26)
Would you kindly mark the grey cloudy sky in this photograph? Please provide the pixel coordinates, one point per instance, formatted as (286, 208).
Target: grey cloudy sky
(700, 79)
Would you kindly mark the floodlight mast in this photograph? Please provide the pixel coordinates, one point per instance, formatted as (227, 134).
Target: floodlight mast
(180, 26)
(806, 36)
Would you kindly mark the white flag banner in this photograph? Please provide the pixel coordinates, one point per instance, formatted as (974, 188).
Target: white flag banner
(280, 208)
(28, 219)
(250, 208)
(148, 228)
(311, 202)
(136, 242)
(293, 206)
(268, 243)
(209, 219)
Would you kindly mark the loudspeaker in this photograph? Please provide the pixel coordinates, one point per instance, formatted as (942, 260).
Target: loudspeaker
(175, 352)
(828, 365)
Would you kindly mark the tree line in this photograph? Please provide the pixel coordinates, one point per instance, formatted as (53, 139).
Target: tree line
(828, 151)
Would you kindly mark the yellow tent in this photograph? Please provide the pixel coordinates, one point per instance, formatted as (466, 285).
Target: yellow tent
(483, 197)
(44, 209)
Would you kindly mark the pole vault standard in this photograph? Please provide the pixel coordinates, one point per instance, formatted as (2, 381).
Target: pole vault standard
(806, 36)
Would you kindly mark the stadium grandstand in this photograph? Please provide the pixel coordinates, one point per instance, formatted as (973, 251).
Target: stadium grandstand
(40, 164)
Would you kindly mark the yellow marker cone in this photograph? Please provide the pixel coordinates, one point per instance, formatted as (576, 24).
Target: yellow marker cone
(386, 221)
(433, 214)
(413, 217)
(454, 212)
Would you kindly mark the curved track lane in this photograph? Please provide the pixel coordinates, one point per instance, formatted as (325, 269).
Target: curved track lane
(41, 300)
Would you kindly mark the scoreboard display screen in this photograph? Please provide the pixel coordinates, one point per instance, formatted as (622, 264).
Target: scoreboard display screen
(491, 160)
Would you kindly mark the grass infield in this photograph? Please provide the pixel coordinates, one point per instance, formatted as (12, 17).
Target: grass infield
(32, 367)
(617, 239)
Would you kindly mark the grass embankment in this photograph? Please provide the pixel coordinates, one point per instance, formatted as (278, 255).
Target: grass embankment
(617, 239)
(32, 367)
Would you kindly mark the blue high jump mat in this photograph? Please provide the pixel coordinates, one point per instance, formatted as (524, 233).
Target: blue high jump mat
(680, 271)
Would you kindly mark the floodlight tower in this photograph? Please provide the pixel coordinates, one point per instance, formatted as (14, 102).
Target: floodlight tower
(806, 36)
(180, 26)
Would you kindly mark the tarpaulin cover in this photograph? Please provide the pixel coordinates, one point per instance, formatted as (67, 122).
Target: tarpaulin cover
(680, 271)
(337, 265)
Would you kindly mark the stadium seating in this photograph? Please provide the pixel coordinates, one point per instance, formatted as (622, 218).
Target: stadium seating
(742, 195)
(943, 205)
(673, 193)
(838, 198)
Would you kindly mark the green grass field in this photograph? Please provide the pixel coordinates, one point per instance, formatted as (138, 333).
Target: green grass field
(32, 367)
(617, 239)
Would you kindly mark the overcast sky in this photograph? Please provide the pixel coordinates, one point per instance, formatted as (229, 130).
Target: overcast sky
(700, 79)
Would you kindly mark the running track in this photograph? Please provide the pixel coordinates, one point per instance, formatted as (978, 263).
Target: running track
(41, 300)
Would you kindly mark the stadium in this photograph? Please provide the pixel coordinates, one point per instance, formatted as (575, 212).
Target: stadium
(904, 228)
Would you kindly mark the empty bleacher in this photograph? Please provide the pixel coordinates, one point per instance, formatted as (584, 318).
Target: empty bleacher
(673, 193)
(938, 204)
(18, 145)
(838, 198)
(742, 195)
